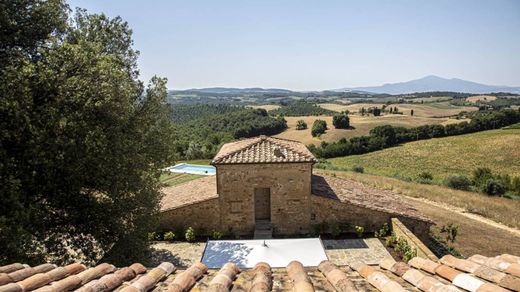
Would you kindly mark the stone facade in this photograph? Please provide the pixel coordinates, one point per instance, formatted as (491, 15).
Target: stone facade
(273, 178)
(203, 216)
(331, 211)
(290, 191)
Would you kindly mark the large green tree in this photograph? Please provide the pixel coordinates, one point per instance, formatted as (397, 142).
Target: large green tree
(82, 141)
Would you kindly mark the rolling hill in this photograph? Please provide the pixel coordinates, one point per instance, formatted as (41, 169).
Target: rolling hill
(434, 83)
(442, 157)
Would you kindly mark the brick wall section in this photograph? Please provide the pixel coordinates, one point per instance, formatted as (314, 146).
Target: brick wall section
(400, 230)
(201, 216)
(333, 212)
(290, 186)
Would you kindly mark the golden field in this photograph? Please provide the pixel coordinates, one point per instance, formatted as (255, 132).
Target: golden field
(420, 110)
(361, 126)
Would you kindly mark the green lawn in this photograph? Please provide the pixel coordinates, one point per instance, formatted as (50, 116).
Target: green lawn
(196, 161)
(512, 127)
(170, 179)
(458, 155)
(442, 106)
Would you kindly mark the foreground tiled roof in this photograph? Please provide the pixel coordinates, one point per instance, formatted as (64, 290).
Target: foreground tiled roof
(352, 192)
(263, 149)
(477, 273)
(194, 191)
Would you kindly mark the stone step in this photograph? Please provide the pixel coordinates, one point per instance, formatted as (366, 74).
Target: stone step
(263, 225)
(263, 234)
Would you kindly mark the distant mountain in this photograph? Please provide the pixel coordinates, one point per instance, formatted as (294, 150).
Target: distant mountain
(434, 83)
(238, 91)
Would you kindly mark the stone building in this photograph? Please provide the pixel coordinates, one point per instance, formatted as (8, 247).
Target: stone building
(265, 185)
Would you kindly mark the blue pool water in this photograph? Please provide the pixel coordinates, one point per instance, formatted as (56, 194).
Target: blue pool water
(193, 169)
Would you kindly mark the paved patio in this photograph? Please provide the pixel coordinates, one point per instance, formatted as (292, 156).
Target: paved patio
(341, 252)
(181, 254)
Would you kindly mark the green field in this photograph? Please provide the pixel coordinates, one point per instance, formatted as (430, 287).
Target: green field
(170, 179)
(442, 157)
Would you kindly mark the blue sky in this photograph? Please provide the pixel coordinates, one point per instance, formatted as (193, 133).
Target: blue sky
(311, 45)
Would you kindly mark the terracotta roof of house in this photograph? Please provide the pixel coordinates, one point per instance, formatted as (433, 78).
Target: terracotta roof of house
(263, 149)
(478, 273)
(356, 193)
(194, 191)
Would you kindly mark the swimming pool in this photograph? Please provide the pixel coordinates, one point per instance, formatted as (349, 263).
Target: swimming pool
(193, 169)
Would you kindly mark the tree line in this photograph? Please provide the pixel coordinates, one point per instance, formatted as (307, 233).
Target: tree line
(387, 136)
(301, 108)
(202, 129)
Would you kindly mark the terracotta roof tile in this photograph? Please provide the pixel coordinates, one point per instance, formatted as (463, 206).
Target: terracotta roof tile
(263, 149)
(349, 191)
(191, 192)
(389, 276)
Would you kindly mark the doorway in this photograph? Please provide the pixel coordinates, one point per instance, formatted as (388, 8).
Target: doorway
(262, 204)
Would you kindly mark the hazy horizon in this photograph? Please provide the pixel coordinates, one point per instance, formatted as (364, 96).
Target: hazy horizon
(305, 45)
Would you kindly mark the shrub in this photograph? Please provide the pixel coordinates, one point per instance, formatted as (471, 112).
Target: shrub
(391, 240)
(358, 168)
(451, 231)
(335, 230)
(216, 235)
(481, 175)
(190, 234)
(318, 127)
(324, 227)
(458, 182)
(341, 121)
(383, 231)
(494, 187)
(401, 245)
(359, 231)
(409, 254)
(316, 230)
(376, 112)
(152, 236)
(515, 186)
(169, 236)
(301, 125)
(425, 176)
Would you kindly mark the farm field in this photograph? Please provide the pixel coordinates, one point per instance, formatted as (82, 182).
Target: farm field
(362, 126)
(420, 110)
(474, 213)
(442, 157)
(267, 107)
(476, 98)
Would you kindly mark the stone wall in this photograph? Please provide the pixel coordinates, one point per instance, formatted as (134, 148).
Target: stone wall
(333, 211)
(401, 231)
(203, 216)
(290, 187)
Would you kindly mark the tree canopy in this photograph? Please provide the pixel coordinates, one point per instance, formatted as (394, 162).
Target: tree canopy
(82, 141)
(341, 121)
(301, 108)
(318, 127)
(201, 129)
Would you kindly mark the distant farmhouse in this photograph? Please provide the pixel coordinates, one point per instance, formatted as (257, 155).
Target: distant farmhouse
(264, 186)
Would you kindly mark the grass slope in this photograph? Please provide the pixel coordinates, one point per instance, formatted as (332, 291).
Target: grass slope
(170, 179)
(442, 157)
(474, 236)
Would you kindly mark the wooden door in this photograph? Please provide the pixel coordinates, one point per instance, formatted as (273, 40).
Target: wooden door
(262, 204)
